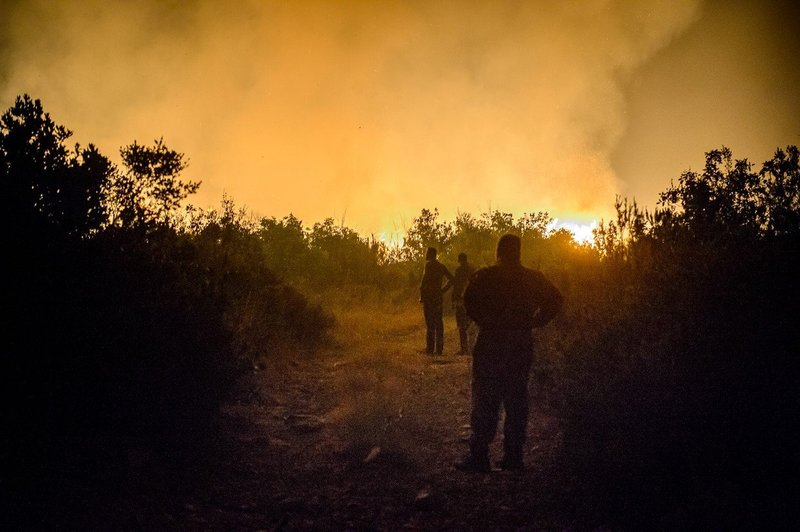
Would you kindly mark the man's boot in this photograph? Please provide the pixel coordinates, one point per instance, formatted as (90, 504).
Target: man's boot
(462, 337)
(512, 460)
(476, 461)
(474, 464)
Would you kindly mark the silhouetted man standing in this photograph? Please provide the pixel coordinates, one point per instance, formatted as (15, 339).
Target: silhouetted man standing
(462, 275)
(430, 294)
(507, 301)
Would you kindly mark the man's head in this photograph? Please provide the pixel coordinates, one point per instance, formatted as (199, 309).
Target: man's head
(508, 248)
(430, 254)
(462, 258)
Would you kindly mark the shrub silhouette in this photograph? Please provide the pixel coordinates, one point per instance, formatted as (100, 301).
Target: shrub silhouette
(126, 328)
(677, 389)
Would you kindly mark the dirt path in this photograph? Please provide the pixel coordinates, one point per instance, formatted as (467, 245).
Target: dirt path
(362, 436)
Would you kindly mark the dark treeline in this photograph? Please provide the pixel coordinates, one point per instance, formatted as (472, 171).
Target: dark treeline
(331, 255)
(132, 316)
(678, 383)
(125, 329)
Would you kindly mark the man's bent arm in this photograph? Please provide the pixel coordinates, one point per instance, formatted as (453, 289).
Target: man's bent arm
(449, 284)
(552, 301)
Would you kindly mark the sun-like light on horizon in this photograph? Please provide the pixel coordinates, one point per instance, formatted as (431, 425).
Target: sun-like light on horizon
(391, 239)
(583, 233)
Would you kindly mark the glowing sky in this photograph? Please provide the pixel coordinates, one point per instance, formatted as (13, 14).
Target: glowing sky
(368, 111)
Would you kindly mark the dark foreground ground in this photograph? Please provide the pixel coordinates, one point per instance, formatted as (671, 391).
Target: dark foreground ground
(362, 437)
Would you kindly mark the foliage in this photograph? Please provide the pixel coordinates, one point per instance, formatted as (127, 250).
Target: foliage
(781, 182)
(43, 182)
(150, 190)
(616, 238)
(127, 329)
(542, 246)
(730, 202)
(426, 231)
(264, 313)
(725, 200)
(678, 369)
(329, 256)
(285, 245)
(344, 256)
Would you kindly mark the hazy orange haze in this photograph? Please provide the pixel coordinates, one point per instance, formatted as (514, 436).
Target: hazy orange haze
(369, 111)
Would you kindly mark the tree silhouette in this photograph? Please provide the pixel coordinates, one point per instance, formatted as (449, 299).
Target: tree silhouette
(44, 182)
(725, 200)
(781, 180)
(342, 254)
(426, 231)
(150, 190)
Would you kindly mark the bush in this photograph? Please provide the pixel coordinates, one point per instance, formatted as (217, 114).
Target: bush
(678, 392)
(123, 330)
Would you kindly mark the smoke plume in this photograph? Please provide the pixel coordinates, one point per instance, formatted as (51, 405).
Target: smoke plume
(361, 111)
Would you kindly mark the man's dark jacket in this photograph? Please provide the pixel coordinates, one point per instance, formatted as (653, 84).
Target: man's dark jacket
(509, 296)
(431, 289)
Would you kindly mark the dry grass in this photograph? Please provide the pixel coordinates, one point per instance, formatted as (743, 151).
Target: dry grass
(377, 359)
(374, 356)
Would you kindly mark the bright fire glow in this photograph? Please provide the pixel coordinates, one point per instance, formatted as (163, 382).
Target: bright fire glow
(379, 109)
(581, 232)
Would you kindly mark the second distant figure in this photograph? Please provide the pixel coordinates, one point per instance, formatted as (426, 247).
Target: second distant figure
(463, 272)
(431, 292)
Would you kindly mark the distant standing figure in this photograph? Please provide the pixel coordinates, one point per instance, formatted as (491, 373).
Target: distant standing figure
(430, 295)
(462, 275)
(507, 301)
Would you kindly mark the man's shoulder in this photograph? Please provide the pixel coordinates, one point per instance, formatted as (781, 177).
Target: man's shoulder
(539, 283)
(535, 278)
(532, 273)
(467, 269)
(484, 273)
